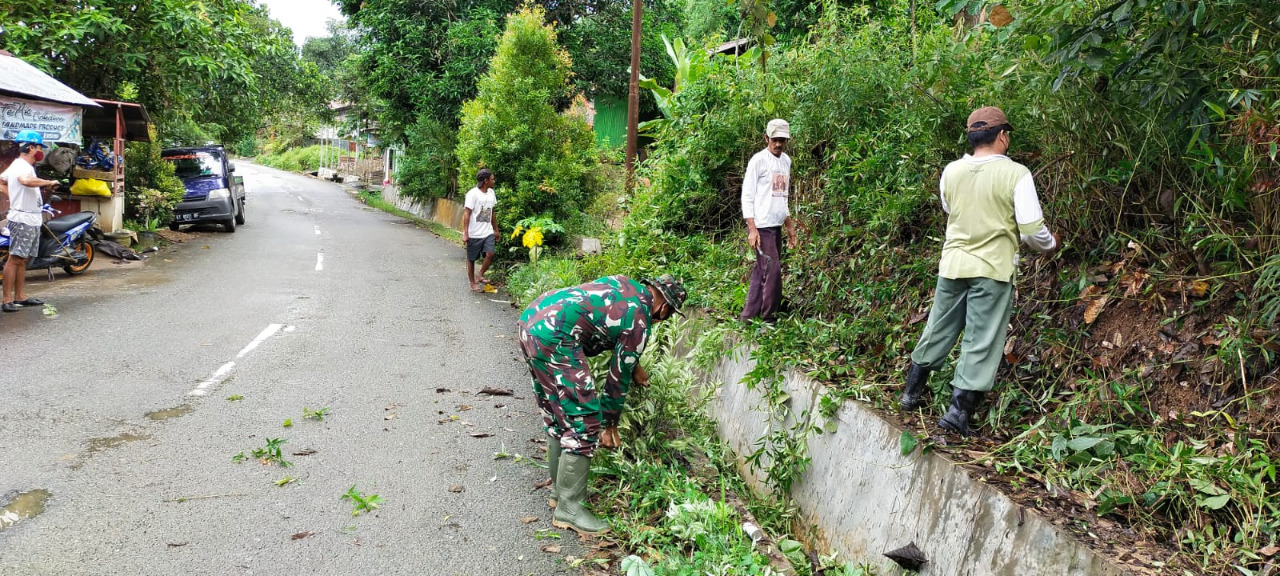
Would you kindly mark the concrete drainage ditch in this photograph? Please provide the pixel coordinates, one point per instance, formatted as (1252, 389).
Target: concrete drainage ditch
(865, 498)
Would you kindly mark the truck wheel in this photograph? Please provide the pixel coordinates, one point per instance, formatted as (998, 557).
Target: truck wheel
(229, 225)
(240, 214)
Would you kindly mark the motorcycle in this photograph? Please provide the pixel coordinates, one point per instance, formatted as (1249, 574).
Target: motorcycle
(65, 241)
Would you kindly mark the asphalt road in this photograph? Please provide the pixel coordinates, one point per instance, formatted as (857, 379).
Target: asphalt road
(352, 310)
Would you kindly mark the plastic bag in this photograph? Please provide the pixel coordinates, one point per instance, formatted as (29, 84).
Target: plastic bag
(90, 187)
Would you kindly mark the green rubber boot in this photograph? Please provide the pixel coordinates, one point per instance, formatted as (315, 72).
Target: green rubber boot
(553, 464)
(571, 489)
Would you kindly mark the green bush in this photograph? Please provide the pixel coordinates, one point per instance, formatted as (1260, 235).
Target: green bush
(151, 187)
(305, 159)
(545, 162)
(429, 168)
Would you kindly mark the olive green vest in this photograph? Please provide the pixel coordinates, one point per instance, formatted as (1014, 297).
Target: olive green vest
(982, 233)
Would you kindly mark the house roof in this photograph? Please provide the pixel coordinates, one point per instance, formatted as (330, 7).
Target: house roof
(20, 79)
(731, 47)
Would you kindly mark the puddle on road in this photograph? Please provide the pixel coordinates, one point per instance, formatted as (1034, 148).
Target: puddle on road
(23, 506)
(99, 444)
(167, 413)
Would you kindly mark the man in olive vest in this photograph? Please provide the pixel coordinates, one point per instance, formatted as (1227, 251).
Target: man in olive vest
(991, 204)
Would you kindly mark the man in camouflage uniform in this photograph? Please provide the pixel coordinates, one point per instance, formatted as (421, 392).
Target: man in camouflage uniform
(557, 334)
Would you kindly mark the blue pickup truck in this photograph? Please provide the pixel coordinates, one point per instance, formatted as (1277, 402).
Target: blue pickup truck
(214, 193)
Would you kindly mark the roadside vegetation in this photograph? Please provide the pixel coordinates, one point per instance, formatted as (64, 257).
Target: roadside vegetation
(1137, 400)
(208, 71)
(306, 159)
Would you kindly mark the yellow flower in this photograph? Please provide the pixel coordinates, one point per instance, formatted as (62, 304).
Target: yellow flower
(517, 231)
(533, 237)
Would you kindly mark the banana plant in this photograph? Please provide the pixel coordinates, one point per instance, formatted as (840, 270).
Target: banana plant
(691, 65)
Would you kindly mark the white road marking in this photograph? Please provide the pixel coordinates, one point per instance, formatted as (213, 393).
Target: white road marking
(267, 332)
(217, 378)
(319, 261)
(290, 328)
(317, 230)
(220, 375)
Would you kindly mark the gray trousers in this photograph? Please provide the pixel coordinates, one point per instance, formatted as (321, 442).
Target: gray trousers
(978, 307)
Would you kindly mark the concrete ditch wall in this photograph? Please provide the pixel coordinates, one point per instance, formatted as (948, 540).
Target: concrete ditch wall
(441, 210)
(866, 498)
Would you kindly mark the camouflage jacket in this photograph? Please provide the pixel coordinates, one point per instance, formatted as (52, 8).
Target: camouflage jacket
(610, 313)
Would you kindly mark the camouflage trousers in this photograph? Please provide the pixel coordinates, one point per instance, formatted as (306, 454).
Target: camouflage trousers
(565, 392)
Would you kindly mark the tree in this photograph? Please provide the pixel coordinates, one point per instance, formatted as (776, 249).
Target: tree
(218, 65)
(513, 128)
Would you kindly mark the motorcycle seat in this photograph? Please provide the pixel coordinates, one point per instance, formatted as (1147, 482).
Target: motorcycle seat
(61, 224)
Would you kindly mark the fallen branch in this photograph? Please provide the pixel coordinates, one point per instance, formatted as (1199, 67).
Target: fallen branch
(206, 497)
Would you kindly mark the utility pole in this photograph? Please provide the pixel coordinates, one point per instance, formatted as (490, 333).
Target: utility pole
(633, 96)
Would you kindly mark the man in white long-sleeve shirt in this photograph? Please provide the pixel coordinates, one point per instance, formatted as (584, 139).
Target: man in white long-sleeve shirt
(765, 187)
(991, 205)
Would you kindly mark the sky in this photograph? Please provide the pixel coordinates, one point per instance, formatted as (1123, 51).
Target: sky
(306, 18)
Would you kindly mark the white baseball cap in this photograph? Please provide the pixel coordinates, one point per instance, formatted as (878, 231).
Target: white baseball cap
(778, 128)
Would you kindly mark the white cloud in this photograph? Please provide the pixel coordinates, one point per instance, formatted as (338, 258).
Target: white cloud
(307, 18)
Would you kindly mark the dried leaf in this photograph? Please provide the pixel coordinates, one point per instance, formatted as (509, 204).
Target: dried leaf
(528, 519)
(1269, 551)
(464, 407)
(542, 484)
(1199, 288)
(389, 417)
(177, 544)
(480, 434)
(305, 452)
(918, 317)
(1094, 308)
(1000, 17)
(496, 391)
(442, 390)
(302, 535)
(551, 548)
(457, 488)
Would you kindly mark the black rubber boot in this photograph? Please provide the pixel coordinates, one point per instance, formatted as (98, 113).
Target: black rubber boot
(963, 404)
(916, 393)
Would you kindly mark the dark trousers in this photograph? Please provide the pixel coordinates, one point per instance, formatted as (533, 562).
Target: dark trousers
(765, 293)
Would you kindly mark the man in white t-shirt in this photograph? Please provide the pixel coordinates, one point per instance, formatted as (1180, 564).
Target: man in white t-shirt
(25, 218)
(766, 184)
(481, 228)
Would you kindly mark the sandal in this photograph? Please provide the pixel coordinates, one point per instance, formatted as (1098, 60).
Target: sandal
(29, 302)
(9, 307)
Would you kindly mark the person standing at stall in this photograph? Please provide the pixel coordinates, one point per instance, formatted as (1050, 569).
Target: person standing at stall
(25, 218)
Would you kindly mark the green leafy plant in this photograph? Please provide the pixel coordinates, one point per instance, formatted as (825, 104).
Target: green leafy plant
(545, 162)
(533, 232)
(318, 414)
(361, 502)
(272, 453)
(235, 398)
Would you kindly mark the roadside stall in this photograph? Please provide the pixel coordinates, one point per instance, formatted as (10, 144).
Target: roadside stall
(92, 176)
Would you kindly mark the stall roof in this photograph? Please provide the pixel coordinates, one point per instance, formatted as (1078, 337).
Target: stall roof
(20, 79)
(101, 121)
